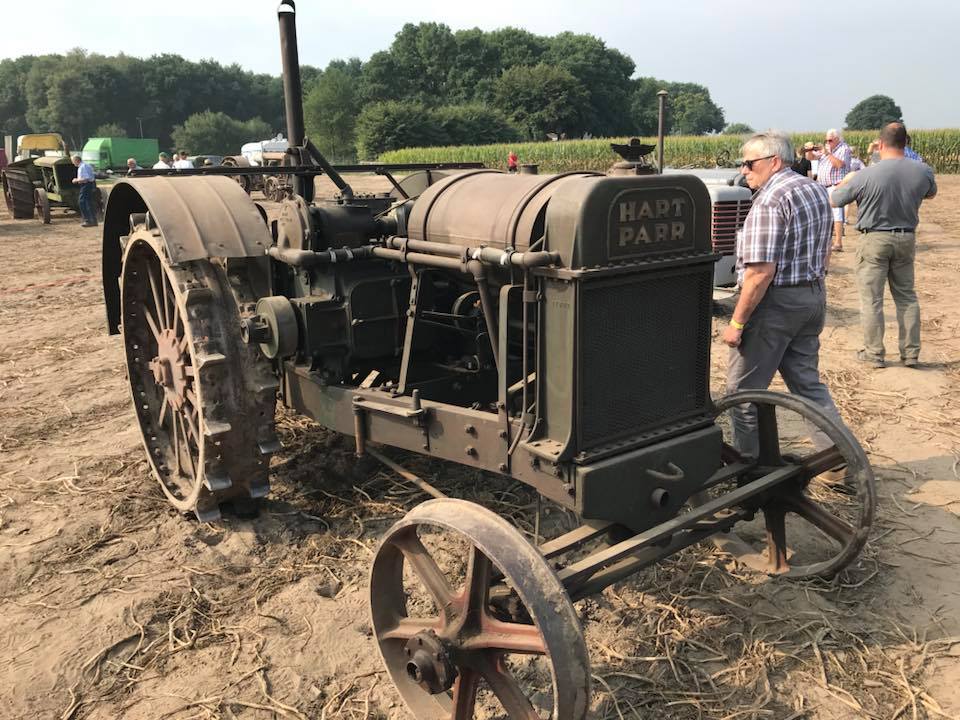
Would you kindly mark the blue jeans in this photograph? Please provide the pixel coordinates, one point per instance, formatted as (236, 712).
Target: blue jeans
(86, 202)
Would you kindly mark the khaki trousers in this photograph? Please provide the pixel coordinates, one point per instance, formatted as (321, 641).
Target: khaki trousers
(887, 258)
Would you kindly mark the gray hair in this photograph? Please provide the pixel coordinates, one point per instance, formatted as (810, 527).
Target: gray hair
(76, 157)
(772, 142)
(833, 132)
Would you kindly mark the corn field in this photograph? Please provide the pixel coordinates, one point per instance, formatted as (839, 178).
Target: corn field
(940, 148)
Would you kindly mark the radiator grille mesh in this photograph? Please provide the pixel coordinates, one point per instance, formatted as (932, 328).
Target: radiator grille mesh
(645, 354)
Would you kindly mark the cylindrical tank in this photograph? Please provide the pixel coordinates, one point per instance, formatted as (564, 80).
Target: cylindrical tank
(486, 207)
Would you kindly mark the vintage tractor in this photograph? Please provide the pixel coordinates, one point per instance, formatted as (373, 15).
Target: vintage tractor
(552, 329)
(55, 188)
(20, 178)
(274, 187)
(42, 178)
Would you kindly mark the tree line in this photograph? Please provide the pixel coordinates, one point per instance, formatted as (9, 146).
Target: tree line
(432, 86)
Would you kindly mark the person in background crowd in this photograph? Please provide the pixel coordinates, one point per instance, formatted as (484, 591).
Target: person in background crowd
(88, 184)
(888, 196)
(181, 163)
(873, 152)
(856, 163)
(512, 161)
(782, 257)
(163, 162)
(833, 164)
(909, 153)
(803, 165)
(132, 165)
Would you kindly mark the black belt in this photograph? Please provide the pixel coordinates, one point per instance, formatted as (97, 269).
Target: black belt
(805, 283)
(895, 231)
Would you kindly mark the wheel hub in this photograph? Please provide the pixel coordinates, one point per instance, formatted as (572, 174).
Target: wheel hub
(169, 368)
(428, 662)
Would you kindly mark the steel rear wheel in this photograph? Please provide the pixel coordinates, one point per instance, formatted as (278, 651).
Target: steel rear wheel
(18, 192)
(817, 522)
(449, 650)
(204, 400)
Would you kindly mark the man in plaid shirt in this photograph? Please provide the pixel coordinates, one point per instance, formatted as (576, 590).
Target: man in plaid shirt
(832, 166)
(782, 256)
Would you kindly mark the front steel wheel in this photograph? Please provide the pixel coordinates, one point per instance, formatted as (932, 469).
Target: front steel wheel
(451, 649)
(817, 522)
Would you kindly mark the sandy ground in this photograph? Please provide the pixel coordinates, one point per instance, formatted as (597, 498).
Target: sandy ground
(112, 605)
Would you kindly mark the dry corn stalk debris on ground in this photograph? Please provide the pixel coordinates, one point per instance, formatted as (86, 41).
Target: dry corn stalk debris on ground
(115, 606)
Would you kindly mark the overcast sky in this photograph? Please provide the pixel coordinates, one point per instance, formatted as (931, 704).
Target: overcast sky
(793, 66)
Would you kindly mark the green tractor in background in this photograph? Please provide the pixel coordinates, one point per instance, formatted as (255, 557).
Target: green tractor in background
(41, 178)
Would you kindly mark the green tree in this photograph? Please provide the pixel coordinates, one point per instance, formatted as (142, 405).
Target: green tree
(424, 55)
(110, 130)
(474, 124)
(330, 111)
(695, 114)
(518, 47)
(605, 75)
(872, 113)
(541, 99)
(644, 109)
(738, 128)
(13, 94)
(216, 133)
(476, 64)
(392, 124)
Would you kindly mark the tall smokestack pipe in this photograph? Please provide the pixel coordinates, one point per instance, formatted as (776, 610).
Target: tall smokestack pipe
(662, 97)
(292, 91)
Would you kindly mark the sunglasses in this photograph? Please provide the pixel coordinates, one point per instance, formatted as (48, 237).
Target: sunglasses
(748, 164)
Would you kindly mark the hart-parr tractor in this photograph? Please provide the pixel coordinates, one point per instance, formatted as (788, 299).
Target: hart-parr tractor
(553, 329)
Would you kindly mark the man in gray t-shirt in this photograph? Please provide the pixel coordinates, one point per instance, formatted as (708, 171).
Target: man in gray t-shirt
(888, 196)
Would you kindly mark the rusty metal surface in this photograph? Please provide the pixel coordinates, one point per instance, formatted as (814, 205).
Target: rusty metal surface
(17, 191)
(467, 638)
(797, 499)
(196, 217)
(485, 208)
(204, 400)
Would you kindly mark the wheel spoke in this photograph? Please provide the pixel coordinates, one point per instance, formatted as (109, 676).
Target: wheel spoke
(176, 440)
(426, 569)
(508, 637)
(186, 446)
(165, 282)
(177, 320)
(773, 517)
(150, 321)
(407, 627)
(508, 691)
(823, 460)
(163, 410)
(817, 515)
(477, 590)
(465, 694)
(768, 434)
(192, 424)
(161, 309)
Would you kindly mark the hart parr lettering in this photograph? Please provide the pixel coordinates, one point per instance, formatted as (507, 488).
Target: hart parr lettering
(645, 222)
(631, 210)
(641, 234)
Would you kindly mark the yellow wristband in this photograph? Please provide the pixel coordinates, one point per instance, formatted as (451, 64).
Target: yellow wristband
(736, 325)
